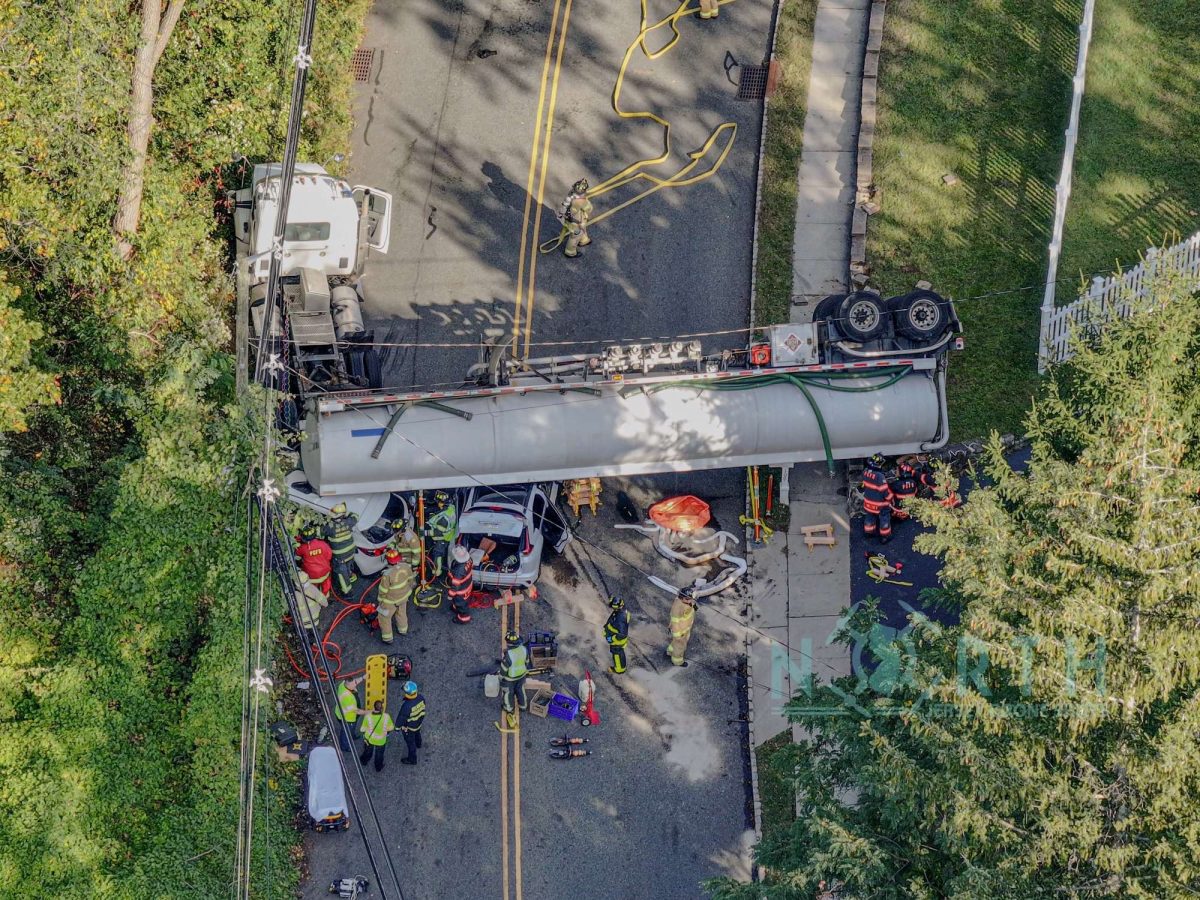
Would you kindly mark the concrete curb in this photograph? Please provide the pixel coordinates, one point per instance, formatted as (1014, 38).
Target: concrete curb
(865, 202)
(762, 145)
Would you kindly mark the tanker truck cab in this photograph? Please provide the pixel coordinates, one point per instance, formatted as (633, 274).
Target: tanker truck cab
(325, 215)
(331, 228)
(520, 519)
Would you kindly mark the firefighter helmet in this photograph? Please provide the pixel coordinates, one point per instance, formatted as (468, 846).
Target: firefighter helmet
(580, 187)
(339, 509)
(906, 468)
(309, 531)
(441, 498)
(616, 602)
(392, 556)
(410, 689)
(460, 553)
(512, 638)
(876, 461)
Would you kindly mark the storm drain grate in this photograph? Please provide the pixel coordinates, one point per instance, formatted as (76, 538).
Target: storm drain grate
(753, 83)
(360, 64)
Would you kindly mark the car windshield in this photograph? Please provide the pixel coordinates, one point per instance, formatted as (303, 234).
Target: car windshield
(517, 494)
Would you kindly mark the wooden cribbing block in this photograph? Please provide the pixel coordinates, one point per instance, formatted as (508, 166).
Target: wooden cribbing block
(819, 540)
(825, 529)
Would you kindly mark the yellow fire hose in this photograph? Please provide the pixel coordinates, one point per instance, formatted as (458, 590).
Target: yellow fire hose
(633, 172)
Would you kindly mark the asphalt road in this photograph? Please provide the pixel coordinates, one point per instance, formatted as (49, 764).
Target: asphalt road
(661, 803)
(447, 122)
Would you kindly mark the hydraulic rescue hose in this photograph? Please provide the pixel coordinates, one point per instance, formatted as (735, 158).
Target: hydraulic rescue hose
(803, 382)
(335, 651)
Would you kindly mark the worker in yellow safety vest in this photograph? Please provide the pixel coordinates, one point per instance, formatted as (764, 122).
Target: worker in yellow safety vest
(513, 669)
(375, 728)
(347, 712)
(683, 615)
(395, 587)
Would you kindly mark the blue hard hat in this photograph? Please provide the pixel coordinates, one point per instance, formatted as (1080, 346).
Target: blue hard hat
(410, 689)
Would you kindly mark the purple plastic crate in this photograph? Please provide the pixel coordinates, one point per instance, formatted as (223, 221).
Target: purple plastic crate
(564, 707)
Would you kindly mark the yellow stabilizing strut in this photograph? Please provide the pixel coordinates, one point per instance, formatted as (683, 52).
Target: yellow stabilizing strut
(633, 172)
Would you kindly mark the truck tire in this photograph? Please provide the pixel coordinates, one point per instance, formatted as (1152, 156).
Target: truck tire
(861, 316)
(829, 310)
(920, 315)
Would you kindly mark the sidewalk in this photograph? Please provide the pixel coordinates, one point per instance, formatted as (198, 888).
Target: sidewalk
(797, 595)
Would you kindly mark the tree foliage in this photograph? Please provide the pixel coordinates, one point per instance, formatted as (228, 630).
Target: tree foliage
(1044, 745)
(121, 511)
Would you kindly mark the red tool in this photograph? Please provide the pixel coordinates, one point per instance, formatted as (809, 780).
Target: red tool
(590, 716)
(770, 492)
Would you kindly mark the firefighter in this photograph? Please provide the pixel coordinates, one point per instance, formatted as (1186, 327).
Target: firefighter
(339, 531)
(407, 543)
(574, 213)
(310, 603)
(315, 557)
(929, 487)
(709, 9)
(904, 488)
(877, 500)
(395, 588)
(459, 589)
(513, 669)
(347, 712)
(412, 715)
(375, 727)
(683, 616)
(616, 632)
(442, 528)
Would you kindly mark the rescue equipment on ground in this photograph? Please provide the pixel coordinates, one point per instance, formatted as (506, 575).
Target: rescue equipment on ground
(881, 571)
(694, 549)
(399, 666)
(427, 596)
(375, 685)
(583, 492)
(327, 810)
(587, 694)
(349, 888)
(567, 741)
(569, 753)
(682, 514)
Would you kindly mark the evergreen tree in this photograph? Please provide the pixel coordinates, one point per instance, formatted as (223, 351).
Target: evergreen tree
(1044, 745)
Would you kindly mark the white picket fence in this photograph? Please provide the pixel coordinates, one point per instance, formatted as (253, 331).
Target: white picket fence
(1109, 298)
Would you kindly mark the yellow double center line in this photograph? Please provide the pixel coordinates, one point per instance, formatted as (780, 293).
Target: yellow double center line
(514, 735)
(543, 130)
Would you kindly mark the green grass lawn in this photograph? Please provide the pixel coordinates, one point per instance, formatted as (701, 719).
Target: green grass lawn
(980, 90)
(776, 793)
(1137, 182)
(781, 161)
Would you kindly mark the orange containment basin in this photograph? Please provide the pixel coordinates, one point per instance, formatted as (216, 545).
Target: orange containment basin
(681, 513)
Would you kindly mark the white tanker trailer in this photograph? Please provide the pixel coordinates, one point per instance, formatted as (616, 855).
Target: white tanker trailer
(810, 393)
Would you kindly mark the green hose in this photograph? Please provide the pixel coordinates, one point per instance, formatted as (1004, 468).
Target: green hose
(803, 381)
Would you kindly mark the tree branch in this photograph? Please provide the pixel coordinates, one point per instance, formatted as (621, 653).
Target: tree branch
(166, 26)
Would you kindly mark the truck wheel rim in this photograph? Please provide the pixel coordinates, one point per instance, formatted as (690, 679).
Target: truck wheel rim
(925, 315)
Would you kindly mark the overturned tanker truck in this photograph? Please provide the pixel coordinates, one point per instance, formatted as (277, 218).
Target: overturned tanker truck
(865, 376)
